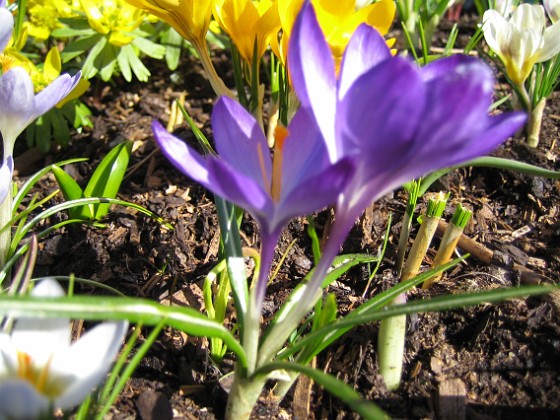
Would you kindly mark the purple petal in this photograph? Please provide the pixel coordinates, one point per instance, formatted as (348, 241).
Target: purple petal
(457, 110)
(16, 105)
(6, 172)
(183, 157)
(316, 192)
(304, 151)
(365, 50)
(311, 69)
(241, 190)
(379, 115)
(55, 92)
(6, 26)
(241, 142)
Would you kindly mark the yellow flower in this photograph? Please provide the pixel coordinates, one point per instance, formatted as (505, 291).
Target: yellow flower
(114, 17)
(190, 18)
(338, 20)
(248, 23)
(44, 14)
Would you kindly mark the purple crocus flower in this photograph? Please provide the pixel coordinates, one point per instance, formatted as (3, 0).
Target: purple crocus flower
(394, 120)
(6, 25)
(300, 179)
(19, 106)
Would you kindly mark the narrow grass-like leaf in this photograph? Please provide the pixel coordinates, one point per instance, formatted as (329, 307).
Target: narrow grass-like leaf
(339, 389)
(114, 308)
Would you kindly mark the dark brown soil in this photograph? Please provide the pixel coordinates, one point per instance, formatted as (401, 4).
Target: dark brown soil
(500, 361)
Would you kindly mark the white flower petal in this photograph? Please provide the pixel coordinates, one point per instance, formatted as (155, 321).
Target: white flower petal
(551, 44)
(19, 400)
(41, 337)
(88, 360)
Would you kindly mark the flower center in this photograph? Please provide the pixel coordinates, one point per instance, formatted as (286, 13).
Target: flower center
(37, 376)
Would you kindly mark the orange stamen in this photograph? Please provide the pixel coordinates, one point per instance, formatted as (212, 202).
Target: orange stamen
(280, 135)
(261, 164)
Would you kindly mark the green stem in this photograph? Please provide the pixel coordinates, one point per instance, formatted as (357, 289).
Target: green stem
(390, 347)
(5, 228)
(534, 123)
(243, 396)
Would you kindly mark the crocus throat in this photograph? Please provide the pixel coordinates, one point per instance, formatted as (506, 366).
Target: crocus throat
(28, 372)
(280, 134)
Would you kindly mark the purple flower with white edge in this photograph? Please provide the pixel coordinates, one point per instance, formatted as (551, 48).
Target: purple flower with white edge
(299, 181)
(19, 107)
(394, 120)
(40, 369)
(6, 25)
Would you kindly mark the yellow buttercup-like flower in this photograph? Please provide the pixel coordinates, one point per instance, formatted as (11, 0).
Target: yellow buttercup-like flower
(44, 15)
(338, 20)
(190, 18)
(114, 17)
(248, 23)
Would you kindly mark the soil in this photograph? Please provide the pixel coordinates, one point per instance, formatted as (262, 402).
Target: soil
(488, 362)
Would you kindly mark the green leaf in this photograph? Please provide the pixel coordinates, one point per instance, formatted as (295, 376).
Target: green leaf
(149, 48)
(60, 127)
(106, 62)
(339, 389)
(140, 70)
(490, 162)
(441, 303)
(124, 65)
(107, 178)
(67, 32)
(79, 47)
(90, 68)
(172, 42)
(112, 308)
(71, 191)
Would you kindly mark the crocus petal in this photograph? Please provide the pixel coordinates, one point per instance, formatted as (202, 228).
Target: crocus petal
(55, 92)
(213, 173)
(234, 186)
(380, 114)
(551, 46)
(241, 142)
(88, 360)
(6, 26)
(312, 70)
(366, 49)
(19, 106)
(304, 151)
(183, 157)
(495, 30)
(6, 172)
(16, 104)
(52, 333)
(19, 400)
(325, 186)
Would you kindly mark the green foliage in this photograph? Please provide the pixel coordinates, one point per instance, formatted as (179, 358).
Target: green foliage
(105, 182)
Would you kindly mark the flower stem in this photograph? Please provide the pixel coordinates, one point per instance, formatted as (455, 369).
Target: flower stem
(6, 233)
(243, 395)
(535, 122)
(217, 83)
(390, 347)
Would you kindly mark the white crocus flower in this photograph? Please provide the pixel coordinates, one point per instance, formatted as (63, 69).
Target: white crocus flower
(521, 41)
(552, 9)
(41, 370)
(505, 7)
